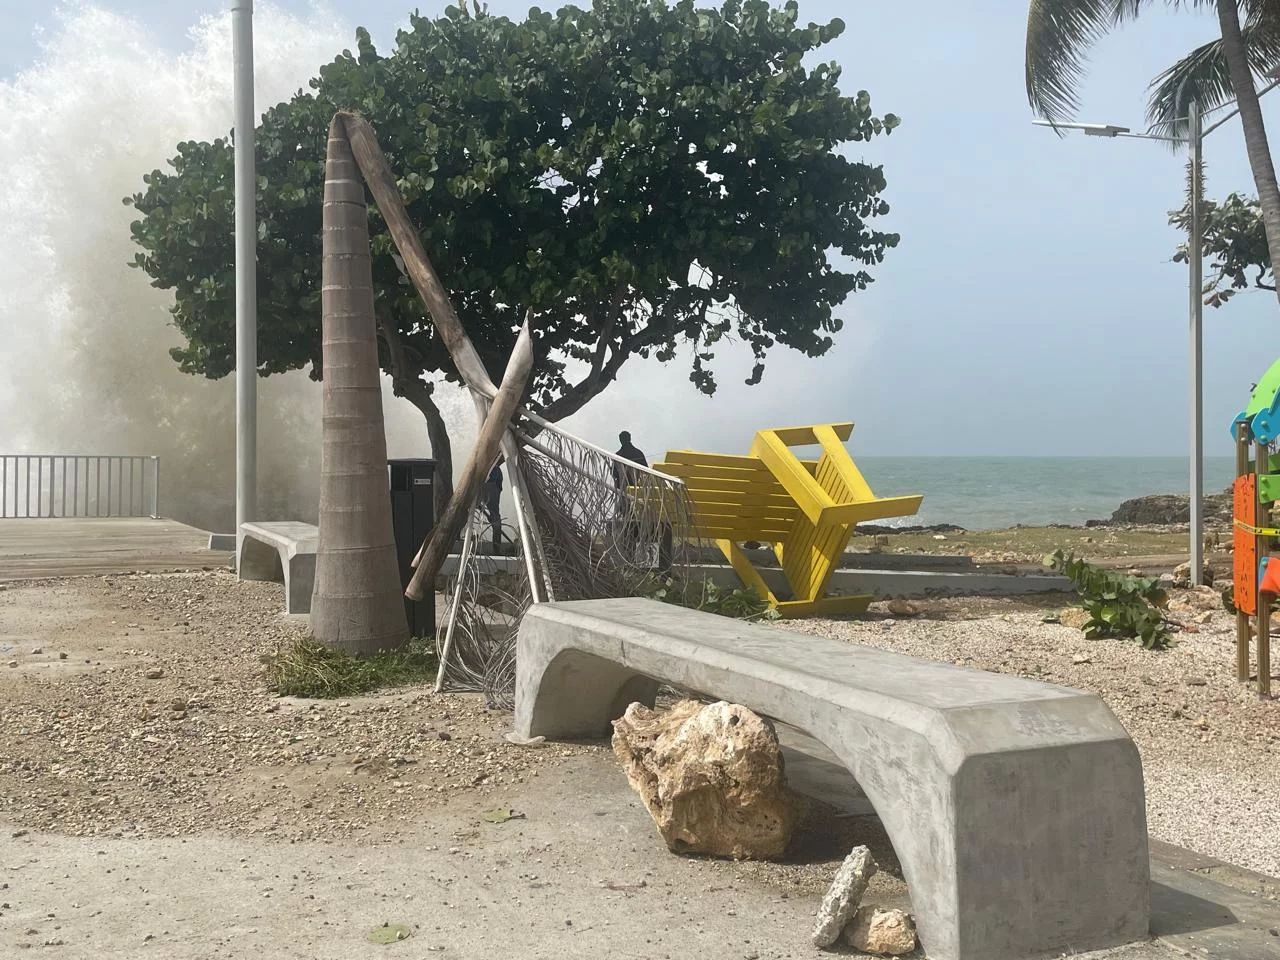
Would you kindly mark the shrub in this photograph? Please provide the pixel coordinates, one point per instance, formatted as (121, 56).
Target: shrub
(307, 668)
(1118, 605)
(741, 603)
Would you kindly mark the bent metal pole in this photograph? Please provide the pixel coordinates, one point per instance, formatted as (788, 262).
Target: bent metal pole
(246, 269)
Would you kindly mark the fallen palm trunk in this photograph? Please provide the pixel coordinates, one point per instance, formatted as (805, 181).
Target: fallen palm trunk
(485, 454)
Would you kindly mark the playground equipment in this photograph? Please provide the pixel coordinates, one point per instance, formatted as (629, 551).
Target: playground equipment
(806, 508)
(1256, 572)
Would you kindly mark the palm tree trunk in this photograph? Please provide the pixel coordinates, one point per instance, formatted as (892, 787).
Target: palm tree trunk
(1255, 132)
(357, 605)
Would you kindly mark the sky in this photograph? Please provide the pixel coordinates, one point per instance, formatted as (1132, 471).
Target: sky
(1031, 308)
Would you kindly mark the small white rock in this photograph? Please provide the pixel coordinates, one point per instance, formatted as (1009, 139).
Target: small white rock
(886, 933)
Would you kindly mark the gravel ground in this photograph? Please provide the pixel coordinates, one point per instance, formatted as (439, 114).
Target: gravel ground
(1209, 745)
(137, 706)
(94, 744)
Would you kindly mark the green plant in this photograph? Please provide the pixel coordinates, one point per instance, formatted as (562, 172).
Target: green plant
(307, 668)
(642, 178)
(1118, 605)
(740, 603)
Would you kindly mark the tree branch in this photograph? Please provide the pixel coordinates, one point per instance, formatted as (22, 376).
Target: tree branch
(580, 394)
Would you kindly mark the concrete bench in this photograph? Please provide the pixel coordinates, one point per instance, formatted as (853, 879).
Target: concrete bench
(283, 551)
(1016, 808)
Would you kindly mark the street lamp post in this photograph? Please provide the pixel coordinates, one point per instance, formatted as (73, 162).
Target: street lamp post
(246, 239)
(1194, 141)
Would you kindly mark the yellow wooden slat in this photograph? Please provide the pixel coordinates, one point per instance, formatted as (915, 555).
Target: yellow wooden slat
(804, 436)
(740, 532)
(746, 512)
(697, 458)
(823, 607)
(755, 474)
(795, 479)
(872, 510)
(838, 459)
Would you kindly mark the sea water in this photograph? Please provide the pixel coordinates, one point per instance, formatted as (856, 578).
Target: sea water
(981, 493)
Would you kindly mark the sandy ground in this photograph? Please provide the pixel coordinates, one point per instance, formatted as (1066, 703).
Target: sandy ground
(1209, 745)
(157, 800)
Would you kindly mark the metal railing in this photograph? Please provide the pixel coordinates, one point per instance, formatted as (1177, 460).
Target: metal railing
(67, 485)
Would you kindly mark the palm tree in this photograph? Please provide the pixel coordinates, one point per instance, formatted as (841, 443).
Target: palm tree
(357, 605)
(1059, 33)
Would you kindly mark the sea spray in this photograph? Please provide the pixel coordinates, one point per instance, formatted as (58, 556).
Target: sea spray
(84, 338)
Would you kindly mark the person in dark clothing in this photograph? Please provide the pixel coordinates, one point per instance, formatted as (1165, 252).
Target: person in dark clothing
(623, 477)
(493, 503)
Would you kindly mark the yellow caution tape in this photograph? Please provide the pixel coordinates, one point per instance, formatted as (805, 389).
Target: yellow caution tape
(1258, 531)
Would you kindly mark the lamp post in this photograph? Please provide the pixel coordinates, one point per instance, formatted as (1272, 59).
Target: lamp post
(246, 238)
(1194, 140)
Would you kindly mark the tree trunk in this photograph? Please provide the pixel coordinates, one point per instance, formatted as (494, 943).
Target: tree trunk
(1255, 132)
(441, 446)
(357, 605)
(431, 557)
(407, 381)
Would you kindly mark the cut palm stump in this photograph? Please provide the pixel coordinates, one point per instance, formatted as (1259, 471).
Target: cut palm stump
(806, 508)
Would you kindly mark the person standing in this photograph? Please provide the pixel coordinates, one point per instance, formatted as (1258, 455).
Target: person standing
(493, 503)
(622, 476)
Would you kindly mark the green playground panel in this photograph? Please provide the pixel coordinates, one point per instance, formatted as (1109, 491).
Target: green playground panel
(1264, 394)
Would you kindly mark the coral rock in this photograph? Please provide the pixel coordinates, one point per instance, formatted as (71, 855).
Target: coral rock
(842, 898)
(888, 933)
(711, 776)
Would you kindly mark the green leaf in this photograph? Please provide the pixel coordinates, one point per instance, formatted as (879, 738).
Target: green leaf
(501, 815)
(390, 933)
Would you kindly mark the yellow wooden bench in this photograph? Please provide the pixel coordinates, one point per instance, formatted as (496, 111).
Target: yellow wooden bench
(806, 508)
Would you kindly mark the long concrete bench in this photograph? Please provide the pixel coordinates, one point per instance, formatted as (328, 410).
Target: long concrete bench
(283, 551)
(1016, 808)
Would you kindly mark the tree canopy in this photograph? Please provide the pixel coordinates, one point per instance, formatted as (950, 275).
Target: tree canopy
(634, 176)
(1234, 247)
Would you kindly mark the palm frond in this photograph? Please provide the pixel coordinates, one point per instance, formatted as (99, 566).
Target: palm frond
(1202, 75)
(1059, 35)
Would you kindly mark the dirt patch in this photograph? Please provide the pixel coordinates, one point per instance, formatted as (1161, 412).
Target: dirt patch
(145, 711)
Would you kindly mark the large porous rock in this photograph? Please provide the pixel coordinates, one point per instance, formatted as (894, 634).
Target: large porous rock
(711, 776)
(885, 933)
(843, 896)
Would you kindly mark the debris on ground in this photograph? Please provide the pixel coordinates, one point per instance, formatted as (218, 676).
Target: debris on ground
(711, 776)
(390, 933)
(883, 933)
(845, 894)
(901, 607)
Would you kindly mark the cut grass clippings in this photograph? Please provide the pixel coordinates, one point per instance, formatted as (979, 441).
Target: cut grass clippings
(307, 668)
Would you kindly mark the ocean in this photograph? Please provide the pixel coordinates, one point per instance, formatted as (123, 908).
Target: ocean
(988, 493)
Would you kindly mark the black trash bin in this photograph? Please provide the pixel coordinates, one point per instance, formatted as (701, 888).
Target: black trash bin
(412, 517)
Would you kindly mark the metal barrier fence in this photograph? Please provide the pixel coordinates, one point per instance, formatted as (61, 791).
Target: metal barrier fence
(67, 485)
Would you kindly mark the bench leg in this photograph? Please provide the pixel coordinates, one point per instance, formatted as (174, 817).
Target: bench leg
(258, 561)
(1011, 855)
(299, 582)
(571, 695)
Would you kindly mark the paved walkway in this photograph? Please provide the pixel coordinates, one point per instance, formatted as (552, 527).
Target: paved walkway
(32, 549)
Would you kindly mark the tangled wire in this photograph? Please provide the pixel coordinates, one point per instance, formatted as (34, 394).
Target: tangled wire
(603, 529)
